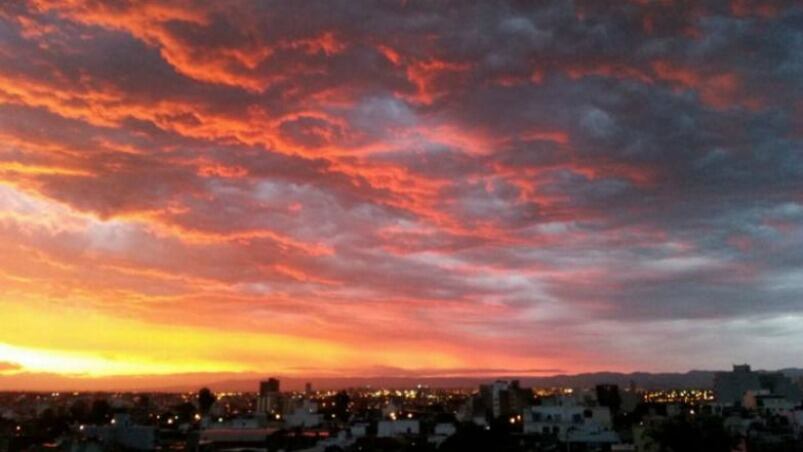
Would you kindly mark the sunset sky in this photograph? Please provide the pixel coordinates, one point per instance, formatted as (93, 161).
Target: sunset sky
(381, 188)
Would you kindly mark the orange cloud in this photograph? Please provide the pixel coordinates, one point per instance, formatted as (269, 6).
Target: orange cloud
(720, 91)
(260, 192)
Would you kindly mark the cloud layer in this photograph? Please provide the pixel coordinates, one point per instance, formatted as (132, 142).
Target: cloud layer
(571, 185)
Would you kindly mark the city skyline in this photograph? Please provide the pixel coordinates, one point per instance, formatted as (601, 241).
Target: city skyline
(398, 189)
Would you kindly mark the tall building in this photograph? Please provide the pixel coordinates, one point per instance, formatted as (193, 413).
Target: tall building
(503, 398)
(779, 384)
(608, 396)
(268, 386)
(730, 387)
(269, 400)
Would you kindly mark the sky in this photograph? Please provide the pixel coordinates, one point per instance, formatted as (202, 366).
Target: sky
(384, 188)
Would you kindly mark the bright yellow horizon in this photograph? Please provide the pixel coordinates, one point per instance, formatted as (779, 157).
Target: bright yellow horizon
(75, 341)
(75, 313)
(94, 320)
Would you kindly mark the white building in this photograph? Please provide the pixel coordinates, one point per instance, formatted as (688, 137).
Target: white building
(441, 432)
(401, 427)
(797, 421)
(445, 429)
(558, 419)
(359, 430)
(766, 403)
(572, 423)
(306, 416)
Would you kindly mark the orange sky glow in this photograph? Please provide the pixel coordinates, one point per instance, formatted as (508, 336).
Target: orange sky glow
(192, 191)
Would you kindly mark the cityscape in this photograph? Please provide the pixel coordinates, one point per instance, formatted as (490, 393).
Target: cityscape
(401, 225)
(743, 410)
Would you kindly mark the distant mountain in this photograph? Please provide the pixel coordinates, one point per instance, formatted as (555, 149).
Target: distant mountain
(249, 382)
(696, 378)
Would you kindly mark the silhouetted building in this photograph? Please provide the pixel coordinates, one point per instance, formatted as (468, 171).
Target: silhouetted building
(268, 386)
(341, 409)
(269, 400)
(608, 396)
(730, 387)
(779, 384)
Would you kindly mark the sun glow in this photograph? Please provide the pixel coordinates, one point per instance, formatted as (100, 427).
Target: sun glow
(67, 363)
(81, 342)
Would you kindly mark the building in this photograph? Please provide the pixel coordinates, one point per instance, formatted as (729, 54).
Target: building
(359, 430)
(269, 400)
(441, 432)
(781, 385)
(572, 424)
(557, 420)
(608, 396)
(504, 398)
(797, 422)
(766, 403)
(268, 386)
(306, 416)
(122, 433)
(401, 427)
(730, 387)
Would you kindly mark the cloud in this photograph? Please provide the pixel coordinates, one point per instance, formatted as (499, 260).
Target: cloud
(481, 178)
